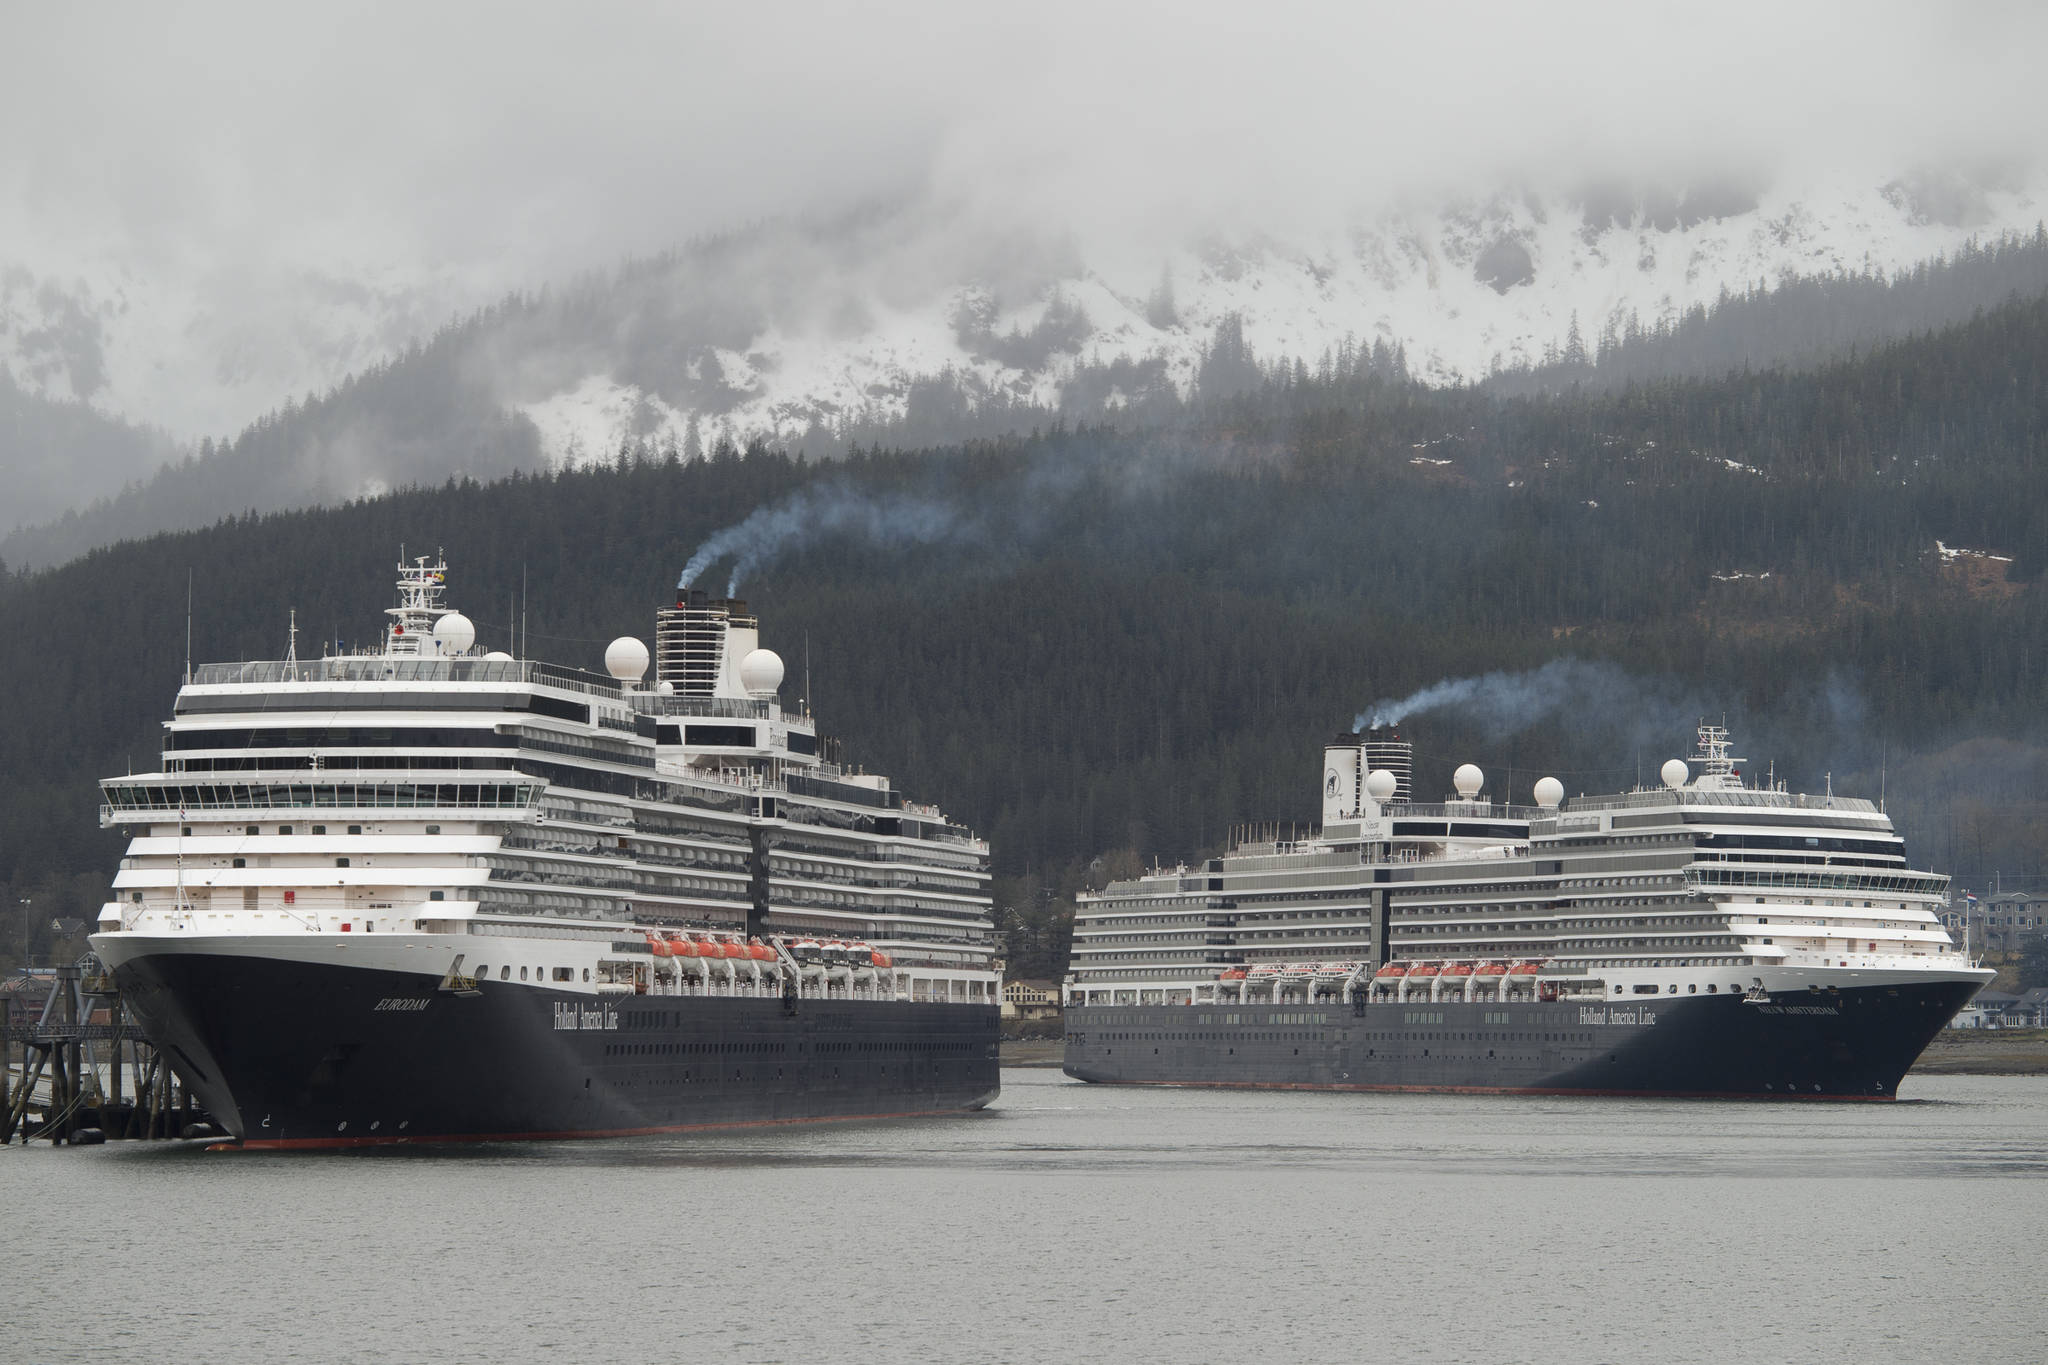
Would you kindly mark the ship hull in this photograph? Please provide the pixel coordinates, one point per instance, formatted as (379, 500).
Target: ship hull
(1855, 1043)
(286, 1052)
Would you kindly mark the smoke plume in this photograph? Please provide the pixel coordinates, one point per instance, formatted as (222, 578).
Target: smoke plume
(881, 519)
(1512, 702)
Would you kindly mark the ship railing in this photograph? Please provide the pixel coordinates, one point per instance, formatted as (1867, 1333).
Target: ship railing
(155, 799)
(728, 708)
(380, 668)
(1736, 797)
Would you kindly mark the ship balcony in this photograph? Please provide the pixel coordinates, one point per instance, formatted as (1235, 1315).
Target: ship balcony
(1223, 921)
(1226, 958)
(1222, 940)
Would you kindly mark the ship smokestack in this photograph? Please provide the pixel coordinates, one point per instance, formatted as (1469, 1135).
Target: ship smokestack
(1383, 747)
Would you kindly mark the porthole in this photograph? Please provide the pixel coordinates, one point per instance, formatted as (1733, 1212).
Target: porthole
(522, 973)
(505, 973)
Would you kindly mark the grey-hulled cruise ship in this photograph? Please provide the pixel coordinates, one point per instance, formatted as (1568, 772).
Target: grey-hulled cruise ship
(425, 892)
(1702, 938)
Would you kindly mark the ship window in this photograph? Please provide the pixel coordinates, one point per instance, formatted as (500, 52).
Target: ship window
(341, 862)
(355, 829)
(437, 895)
(522, 973)
(284, 829)
(319, 829)
(241, 862)
(1692, 988)
(504, 973)
(433, 829)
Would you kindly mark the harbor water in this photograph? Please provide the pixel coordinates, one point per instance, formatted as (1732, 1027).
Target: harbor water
(1078, 1223)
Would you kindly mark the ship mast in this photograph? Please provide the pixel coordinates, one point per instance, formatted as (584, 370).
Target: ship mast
(420, 584)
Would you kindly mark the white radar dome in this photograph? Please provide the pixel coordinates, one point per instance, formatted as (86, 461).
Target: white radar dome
(626, 659)
(454, 633)
(1381, 785)
(761, 673)
(1549, 791)
(499, 656)
(1468, 780)
(665, 688)
(1675, 772)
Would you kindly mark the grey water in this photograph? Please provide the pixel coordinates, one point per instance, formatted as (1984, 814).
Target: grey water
(1077, 1223)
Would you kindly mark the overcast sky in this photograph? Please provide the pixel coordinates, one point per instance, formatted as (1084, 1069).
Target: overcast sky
(551, 137)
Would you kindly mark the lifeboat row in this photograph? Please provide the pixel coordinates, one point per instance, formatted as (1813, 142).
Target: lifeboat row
(1409, 978)
(838, 953)
(709, 947)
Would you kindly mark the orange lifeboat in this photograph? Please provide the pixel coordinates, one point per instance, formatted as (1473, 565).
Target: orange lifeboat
(684, 946)
(1425, 969)
(658, 945)
(1526, 969)
(1233, 974)
(1493, 969)
(1458, 969)
(760, 951)
(880, 958)
(1391, 970)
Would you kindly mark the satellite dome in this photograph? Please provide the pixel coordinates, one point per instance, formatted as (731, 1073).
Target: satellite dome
(499, 656)
(1675, 772)
(761, 673)
(1549, 791)
(1468, 780)
(626, 659)
(664, 688)
(1381, 785)
(454, 633)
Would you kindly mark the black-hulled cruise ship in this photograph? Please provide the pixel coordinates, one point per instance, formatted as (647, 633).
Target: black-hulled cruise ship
(1704, 938)
(431, 893)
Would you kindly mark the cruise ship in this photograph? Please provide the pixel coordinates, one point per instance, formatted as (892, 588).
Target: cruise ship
(422, 892)
(1706, 937)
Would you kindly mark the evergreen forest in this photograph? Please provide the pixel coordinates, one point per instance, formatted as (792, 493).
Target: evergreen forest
(1101, 645)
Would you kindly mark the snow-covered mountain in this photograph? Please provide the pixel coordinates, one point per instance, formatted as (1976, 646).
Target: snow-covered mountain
(793, 329)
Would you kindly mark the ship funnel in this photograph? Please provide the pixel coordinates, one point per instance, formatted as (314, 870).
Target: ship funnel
(1383, 747)
(700, 642)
